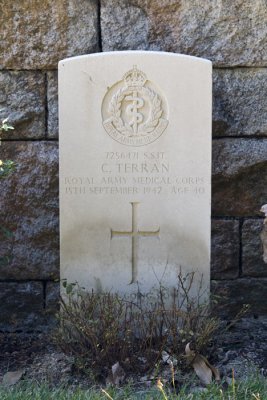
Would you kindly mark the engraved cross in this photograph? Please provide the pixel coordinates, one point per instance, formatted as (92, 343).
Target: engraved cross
(134, 234)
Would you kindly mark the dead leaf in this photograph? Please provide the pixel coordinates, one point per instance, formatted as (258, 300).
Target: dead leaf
(216, 373)
(202, 367)
(202, 370)
(165, 357)
(12, 377)
(190, 354)
(117, 375)
(168, 359)
(264, 210)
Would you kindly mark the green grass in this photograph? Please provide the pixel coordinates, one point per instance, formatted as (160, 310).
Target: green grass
(253, 388)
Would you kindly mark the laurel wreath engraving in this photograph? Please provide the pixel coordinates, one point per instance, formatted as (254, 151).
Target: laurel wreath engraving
(116, 106)
(156, 111)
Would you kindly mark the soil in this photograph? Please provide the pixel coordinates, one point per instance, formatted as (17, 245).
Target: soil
(242, 348)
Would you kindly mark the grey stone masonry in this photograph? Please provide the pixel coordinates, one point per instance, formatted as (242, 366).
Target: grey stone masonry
(234, 295)
(52, 298)
(29, 211)
(37, 34)
(229, 33)
(239, 177)
(52, 104)
(240, 102)
(22, 99)
(252, 254)
(224, 249)
(21, 306)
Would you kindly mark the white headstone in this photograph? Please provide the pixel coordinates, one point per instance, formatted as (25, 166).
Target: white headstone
(135, 169)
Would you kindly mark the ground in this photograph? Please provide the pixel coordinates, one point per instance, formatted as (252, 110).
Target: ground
(243, 347)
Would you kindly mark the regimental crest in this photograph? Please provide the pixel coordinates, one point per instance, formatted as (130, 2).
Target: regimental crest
(134, 113)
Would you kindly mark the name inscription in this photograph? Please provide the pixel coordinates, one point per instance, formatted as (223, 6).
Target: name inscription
(135, 173)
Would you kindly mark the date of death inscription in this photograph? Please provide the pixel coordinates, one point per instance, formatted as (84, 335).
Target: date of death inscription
(134, 173)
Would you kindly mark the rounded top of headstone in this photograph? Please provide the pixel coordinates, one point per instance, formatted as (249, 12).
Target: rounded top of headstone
(127, 53)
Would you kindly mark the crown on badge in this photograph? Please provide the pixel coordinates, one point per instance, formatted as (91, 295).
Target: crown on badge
(134, 77)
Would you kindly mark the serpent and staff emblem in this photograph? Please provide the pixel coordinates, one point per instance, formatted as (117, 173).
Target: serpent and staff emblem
(133, 111)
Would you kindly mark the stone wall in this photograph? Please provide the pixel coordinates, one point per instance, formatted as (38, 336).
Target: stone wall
(35, 36)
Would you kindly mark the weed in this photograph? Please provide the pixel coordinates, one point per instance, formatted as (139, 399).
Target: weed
(252, 388)
(6, 166)
(100, 329)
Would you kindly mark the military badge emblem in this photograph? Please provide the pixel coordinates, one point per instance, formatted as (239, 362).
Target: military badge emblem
(134, 113)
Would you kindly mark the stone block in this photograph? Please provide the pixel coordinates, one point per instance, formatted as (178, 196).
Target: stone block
(52, 297)
(239, 177)
(239, 102)
(124, 26)
(52, 304)
(22, 99)
(252, 250)
(52, 104)
(37, 34)
(229, 33)
(21, 306)
(224, 249)
(234, 294)
(29, 211)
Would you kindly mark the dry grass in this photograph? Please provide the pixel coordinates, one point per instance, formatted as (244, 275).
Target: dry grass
(100, 329)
